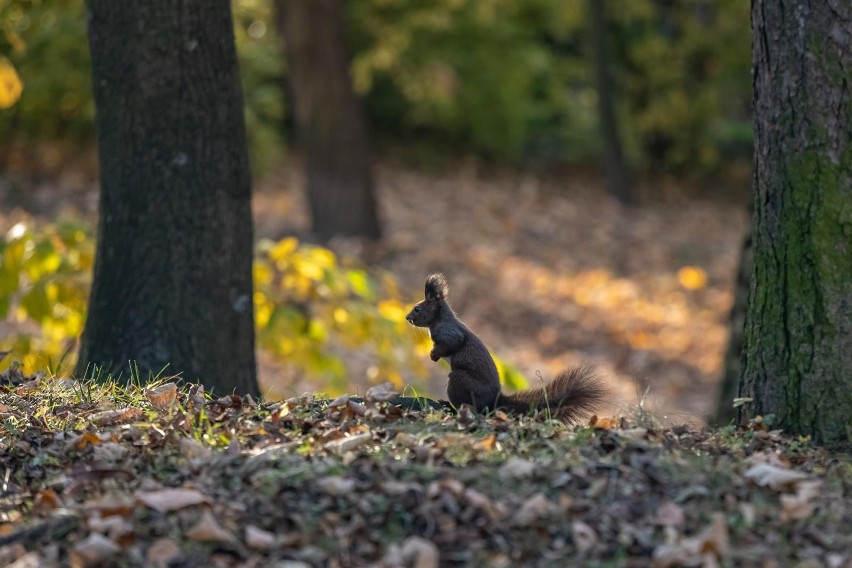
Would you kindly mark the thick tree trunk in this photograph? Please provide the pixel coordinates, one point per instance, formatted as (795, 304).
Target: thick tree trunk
(331, 128)
(797, 356)
(615, 169)
(172, 280)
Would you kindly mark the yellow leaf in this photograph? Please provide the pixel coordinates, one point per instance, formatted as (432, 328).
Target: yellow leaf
(692, 277)
(10, 84)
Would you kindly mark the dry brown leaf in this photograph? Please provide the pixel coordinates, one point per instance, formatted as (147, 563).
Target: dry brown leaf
(258, 538)
(164, 500)
(516, 468)
(161, 552)
(30, 560)
(84, 440)
(343, 445)
(488, 444)
(493, 511)
(208, 529)
(413, 552)
(381, 393)
(110, 505)
(775, 477)
(47, 500)
(95, 549)
(536, 507)
(801, 505)
(709, 546)
(163, 396)
(119, 416)
(585, 537)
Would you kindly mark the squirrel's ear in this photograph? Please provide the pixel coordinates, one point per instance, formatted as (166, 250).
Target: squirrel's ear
(436, 287)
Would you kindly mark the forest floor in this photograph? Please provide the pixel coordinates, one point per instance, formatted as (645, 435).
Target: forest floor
(103, 475)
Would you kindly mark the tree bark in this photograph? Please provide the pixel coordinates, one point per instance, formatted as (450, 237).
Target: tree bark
(797, 356)
(331, 128)
(172, 278)
(615, 170)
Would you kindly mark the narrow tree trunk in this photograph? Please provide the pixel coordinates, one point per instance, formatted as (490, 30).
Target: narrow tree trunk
(331, 128)
(797, 361)
(615, 169)
(172, 280)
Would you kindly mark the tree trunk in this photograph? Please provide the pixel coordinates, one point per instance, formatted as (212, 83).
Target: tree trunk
(331, 129)
(732, 370)
(615, 169)
(172, 279)
(797, 355)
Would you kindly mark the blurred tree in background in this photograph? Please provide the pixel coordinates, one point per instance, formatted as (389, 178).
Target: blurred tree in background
(331, 129)
(499, 79)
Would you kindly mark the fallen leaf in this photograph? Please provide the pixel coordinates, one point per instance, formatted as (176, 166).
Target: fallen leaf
(259, 538)
(710, 545)
(413, 552)
(208, 529)
(516, 468)
(29, 560)
(801, 505)
(343, 445)
(775, 477)
(164, 500)
(381, 393)
(95, 549)
(119, 416)
(585, 537)
(161, 552)
(84, 440)
(535, 507)
(163, 396)
(47, 500)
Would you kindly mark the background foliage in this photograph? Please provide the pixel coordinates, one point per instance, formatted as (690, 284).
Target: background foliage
(498, 79)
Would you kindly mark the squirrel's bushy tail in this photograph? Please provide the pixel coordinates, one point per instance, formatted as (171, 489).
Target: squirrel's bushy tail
(570, 397)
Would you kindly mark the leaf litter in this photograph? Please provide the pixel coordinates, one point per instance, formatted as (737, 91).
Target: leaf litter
(232, 482)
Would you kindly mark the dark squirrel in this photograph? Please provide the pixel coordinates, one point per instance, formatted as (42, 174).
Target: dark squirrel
(473, 379)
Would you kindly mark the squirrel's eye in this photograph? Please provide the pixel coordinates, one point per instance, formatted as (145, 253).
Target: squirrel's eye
(416, 309)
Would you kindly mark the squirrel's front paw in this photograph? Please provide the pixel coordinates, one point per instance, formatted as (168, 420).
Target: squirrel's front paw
(434, 356)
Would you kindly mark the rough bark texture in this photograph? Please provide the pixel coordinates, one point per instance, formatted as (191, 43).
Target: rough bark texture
(797, 356)
(172, 280)
(331, 128)
(615, 169)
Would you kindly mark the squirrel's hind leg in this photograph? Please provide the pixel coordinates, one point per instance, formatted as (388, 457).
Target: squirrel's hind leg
(464, 388)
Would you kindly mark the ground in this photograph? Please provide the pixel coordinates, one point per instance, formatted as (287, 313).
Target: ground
(103, 475)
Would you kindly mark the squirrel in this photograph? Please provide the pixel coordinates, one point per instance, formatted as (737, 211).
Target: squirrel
(473, 378)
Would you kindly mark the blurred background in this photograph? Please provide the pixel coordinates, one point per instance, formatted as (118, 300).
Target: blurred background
(579, 170)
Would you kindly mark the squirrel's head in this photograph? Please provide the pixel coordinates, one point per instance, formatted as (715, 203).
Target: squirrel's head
(424, 313)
